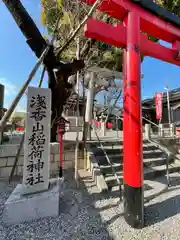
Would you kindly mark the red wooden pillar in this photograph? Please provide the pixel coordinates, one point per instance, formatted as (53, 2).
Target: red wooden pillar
(132, 127)
(60, 155)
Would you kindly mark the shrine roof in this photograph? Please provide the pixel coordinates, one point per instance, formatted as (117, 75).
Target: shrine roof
(174, 98)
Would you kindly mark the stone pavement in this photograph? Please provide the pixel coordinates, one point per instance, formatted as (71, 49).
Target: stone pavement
(86, 214)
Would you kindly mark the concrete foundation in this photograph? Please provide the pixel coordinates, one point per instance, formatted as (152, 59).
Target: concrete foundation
(23, 208)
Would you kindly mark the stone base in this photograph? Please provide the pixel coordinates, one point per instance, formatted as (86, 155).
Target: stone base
(23, 208)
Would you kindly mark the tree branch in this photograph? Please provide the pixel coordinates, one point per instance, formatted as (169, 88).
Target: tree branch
(87, 46)
(73, 34)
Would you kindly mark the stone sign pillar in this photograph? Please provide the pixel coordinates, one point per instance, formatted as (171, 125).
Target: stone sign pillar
(37, 140)
(37, 196)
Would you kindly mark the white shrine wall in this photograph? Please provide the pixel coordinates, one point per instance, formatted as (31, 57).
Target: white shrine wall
(8, 154)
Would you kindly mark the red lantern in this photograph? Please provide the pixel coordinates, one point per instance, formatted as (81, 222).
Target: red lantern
(62, 125)
(61, 131)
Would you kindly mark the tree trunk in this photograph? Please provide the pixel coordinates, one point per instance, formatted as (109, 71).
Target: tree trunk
(57, 83)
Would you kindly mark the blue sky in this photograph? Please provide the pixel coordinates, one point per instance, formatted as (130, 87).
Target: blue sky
(17, 60)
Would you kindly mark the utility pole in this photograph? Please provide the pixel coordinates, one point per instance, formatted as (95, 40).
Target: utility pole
(168, 105)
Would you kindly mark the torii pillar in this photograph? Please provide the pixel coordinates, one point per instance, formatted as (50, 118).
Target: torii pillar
(139, 17)
(132, 127)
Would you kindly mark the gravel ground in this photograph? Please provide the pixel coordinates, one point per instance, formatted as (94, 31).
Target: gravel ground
(86, 214)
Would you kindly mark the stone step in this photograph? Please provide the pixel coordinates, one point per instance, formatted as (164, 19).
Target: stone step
(107, 143)
(146, 186)
(116, 158)
(100, 152)
(109, 149)
(151, 188)
(106, 169)
(149, 173)
(116, 143)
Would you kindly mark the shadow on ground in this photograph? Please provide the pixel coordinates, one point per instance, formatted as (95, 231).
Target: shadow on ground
(87, 214)
(155, 213)
(79, 218)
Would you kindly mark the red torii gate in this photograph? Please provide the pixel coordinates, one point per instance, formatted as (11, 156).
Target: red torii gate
(129, 36)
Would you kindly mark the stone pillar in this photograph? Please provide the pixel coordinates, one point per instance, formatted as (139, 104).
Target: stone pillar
(148, 131)
(37, 141)
(89, 104)
(161, 131)
(172, 129)
(103, 128)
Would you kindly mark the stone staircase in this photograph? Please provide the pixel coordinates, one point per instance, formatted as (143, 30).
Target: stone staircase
(154, 161)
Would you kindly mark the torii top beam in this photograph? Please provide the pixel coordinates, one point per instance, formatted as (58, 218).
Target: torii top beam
(117, 36)
(159, 11)
(152, 25)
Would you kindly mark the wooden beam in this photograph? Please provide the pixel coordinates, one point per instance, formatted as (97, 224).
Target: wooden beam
(149, 23)
(117, 36)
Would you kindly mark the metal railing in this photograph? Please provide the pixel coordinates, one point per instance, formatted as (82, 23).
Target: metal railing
(155, 141)
(169, 156)
(168, 153)
(159, 128)
(119, 182)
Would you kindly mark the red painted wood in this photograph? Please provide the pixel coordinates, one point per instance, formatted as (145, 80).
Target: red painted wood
(112, 8)
(61, 150)
(176, 46)
(132, 123)
(93, 30)
(150, 23)
(116, 35)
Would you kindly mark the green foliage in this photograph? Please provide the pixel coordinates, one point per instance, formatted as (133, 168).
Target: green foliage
(171, 5)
